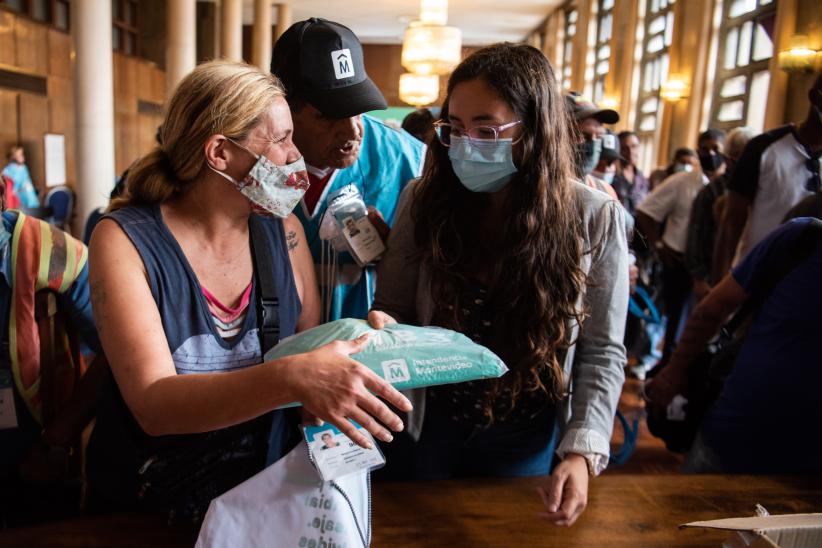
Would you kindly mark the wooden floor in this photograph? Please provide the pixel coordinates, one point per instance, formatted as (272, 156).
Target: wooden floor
(650, 456)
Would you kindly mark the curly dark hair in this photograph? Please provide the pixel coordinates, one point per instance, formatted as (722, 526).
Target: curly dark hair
(533, 268)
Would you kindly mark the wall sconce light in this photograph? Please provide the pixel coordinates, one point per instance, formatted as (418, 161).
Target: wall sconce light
(674, 89)
(419, 89)
(799, 57)
(609, 102)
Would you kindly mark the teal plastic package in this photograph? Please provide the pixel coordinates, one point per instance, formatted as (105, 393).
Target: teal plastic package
(405, 355)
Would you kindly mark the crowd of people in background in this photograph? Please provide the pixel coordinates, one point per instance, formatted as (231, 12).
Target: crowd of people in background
(517, 216)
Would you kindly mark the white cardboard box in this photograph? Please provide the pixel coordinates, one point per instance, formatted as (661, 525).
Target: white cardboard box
(785, 531)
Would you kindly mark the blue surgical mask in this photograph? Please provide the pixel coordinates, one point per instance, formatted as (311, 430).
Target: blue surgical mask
(587, 155)
(485, 165)
(608, 177)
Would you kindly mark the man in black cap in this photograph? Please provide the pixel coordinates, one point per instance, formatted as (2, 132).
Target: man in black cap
(320, 63)
(605, 170)
(590, 120)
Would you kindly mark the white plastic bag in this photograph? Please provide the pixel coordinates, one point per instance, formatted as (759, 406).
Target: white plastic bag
(288, 505)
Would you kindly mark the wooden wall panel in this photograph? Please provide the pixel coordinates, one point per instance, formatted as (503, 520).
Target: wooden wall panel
(61, 117)
(382, 63)
(126, 134)
(8, 129)
(147, 129)
(135, 81)
(158, 94)
(8, 43)
(61, 104)
(59, 54)
(384, 67)
(32, 46)
(34, 124)
(125, 84)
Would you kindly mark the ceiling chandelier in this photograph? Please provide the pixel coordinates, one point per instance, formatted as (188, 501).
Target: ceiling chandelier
(430, 48)
(419, 89)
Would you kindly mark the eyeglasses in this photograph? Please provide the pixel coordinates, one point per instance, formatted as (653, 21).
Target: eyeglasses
(815, 182)
(477, 135)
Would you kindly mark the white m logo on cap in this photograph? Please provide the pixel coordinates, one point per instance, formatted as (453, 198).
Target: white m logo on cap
(343, 64)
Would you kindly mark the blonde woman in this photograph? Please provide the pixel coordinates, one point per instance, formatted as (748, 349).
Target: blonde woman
(188, 412)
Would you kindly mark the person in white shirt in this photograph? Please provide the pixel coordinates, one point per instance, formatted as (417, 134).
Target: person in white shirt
(776, 171)
(670, 203)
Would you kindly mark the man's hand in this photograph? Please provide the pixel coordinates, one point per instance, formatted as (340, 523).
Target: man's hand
(379, 223)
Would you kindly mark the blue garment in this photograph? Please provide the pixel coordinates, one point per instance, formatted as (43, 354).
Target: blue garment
(388, 160)
(23, 187)
(767, 418)
(449, 448)
(119, 447)
(75, 304)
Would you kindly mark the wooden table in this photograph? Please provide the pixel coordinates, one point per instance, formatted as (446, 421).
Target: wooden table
(623, 510)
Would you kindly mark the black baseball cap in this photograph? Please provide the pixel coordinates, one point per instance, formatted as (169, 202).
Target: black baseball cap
(322, 62)
(610, 148)
(582, 108)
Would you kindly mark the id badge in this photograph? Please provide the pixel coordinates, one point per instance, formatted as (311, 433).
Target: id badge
(8, 415)
(362, 238)
(335, 456)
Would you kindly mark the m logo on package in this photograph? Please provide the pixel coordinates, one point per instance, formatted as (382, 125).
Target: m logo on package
(395, 370)
(343, 65)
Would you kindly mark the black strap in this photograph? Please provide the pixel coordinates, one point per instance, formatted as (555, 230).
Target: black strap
(805, 244)
(268, 301)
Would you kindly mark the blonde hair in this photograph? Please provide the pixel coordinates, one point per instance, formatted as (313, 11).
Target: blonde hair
(216, 97)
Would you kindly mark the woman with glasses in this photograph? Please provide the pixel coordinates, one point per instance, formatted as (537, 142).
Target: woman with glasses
(498, 241)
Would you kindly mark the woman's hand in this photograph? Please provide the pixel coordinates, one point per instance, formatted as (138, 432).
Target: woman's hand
(334, 388)
(378, 320)
(567, 492)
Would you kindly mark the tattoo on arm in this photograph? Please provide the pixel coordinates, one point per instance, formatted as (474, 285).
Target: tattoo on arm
(291, 240)
(98, 298)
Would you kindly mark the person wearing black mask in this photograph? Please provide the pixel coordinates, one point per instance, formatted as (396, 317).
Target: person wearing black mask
(706, 211)
(671, 203)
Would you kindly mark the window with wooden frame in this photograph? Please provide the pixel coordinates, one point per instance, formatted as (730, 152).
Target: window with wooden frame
(742, 77)
(124, 26)
(659, 32)
(605, 23)
(50, 12)
(571, 17)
